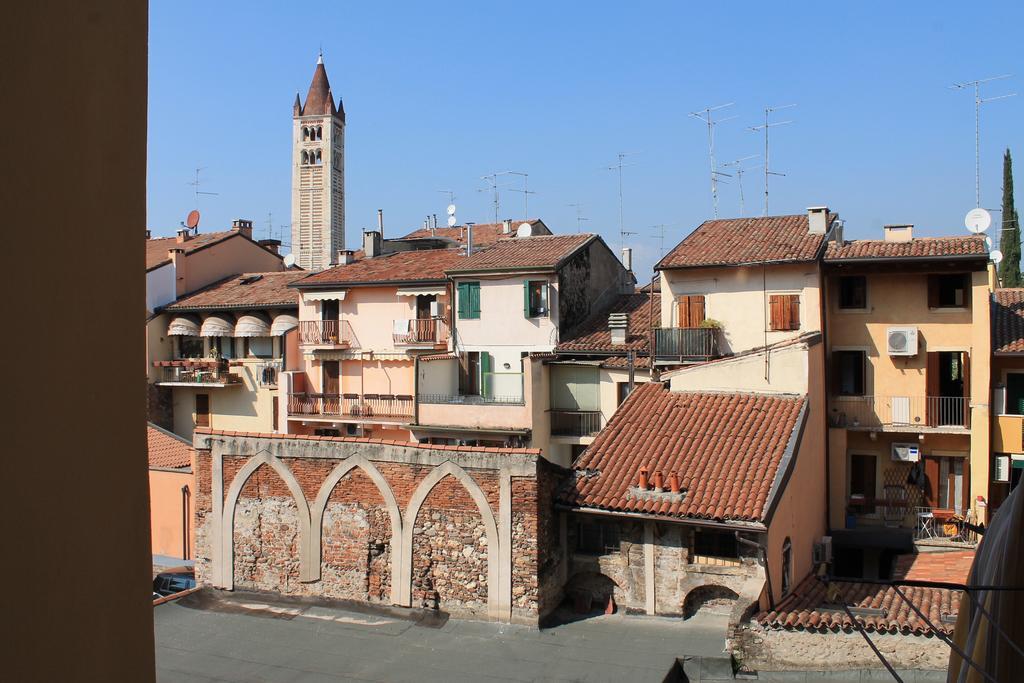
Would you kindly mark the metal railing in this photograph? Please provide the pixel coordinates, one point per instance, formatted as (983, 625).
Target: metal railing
(693, 343)
(267, 372)
(420, 331)
(196, 372)
(575, 422)
(471, 399)
(502, 388)
(325, 333)
(869, 412)
(367, 406)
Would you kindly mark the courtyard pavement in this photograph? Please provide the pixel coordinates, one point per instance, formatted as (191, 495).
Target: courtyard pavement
(246, 637)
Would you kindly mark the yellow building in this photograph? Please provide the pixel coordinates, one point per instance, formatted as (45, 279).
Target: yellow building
(1007, 394)
(908, 341)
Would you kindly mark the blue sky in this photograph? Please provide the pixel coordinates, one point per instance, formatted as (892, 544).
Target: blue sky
(438, 95)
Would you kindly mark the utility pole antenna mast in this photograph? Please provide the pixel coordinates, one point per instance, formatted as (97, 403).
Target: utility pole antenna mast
(740, 170)
(195, 184)
(492, 180)
(766, 126)
(579, 216)
(707, 116)
(526, 191)
(618, 166)
(978, 101)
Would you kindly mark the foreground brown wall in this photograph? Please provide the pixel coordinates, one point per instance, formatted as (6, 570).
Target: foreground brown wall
(73, 197)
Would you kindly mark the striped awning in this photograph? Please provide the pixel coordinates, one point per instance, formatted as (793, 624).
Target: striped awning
(283, 323)
(253, 325)
(421, 291)
(217, 325)
(183, 326)
(336, 295)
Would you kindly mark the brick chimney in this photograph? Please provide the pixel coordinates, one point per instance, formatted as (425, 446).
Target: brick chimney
(898, 233)
(243, 226)
(372, 243)
(178, 261)
(506, 226)
(184, 235)
(817, 220)
(271, 245)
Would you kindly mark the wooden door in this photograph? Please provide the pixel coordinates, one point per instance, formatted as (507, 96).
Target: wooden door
(932, 379)
(202, 410)
(931, 475)
(332, 377)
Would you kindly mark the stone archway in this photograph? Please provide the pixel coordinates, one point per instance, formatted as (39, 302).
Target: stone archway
(590, 590)
(711, 598)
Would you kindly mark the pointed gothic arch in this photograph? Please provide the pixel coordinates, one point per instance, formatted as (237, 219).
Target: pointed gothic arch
(305, 133)
(228, 522)
(305, 157)
(319, 157)
(450, 469)
(395, 514)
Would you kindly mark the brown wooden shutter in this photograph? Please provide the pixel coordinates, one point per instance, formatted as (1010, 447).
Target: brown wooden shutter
(202, 410)
(683, 311)
(274, 423)
(696, 308)
(794, 312)
(777, 313)
(931, 382)
(933, 291)
(931, 474)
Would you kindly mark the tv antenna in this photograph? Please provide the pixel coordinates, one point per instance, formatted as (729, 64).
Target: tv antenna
(526, 191)
(579, 216)
(978, 101)
(707, 116)
(768, 124)
(660, 227)
(450, 210)
(492, 180)
(618, 166)
(195, 184)
(740, 170)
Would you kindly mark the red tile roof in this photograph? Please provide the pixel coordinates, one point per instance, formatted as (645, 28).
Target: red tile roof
(426, 265)
(920, 247)
(545, 252)
(593, 335)
(156, 248)
(740, 241)
(246, 290)
(815, 605)
(167, 450)
(484, 234)
(726, 449)
(622, 363)
(1008, 321)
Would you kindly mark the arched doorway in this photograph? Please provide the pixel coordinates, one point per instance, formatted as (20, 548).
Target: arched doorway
(266, 534)
(590, 594)
(709, 600)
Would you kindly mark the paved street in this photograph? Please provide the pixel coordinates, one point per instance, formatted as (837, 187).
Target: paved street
(249, 639)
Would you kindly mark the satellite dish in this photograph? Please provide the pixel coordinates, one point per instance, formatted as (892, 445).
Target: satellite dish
(451, 221)
(451, 209)
(996, 256)
(192, 222)
(978, 220)
(289, 260)
(524, 230)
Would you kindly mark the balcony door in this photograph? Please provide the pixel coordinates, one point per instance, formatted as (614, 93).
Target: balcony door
(863, 482)
(424, 328)
(948, 482)
(948, 381)
(332, 377)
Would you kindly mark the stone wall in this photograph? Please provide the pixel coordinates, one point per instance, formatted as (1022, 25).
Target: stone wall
(400, 523)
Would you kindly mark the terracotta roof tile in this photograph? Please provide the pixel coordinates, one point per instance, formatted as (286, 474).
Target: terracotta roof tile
(622, 363)
(246, 290)
(543, 252)
(1008, 321)
(952, 566)
(726, 449)
(484, 234)
(167, 449)
(739, 241)
(426, 265)
(593, 334)
(920, 247)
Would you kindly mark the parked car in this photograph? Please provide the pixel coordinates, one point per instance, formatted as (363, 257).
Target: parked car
(174, 580)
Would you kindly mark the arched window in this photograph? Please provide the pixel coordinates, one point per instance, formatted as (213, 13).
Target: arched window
(305, 157)
(319, 158)
(787, 566)
(319, 133)
(305, 133)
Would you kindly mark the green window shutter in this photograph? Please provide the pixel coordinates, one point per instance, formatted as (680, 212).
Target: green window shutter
(462, 295)
(485, 374)
(474, 297)
(526, 299)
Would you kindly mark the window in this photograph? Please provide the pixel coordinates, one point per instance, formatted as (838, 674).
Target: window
(597, 538)
(305, 157)
(319, 158)
(319, 132)
(260, 347)
(717, 544)
(222, 347)
(784, 310)
(190, 347)
(787, 566)
(948, 291)
(468, 294)
(202, 410)
(863, 480)
(305, 133)
(1014, 393)
(535, 299)
(848, 372)
(690, 310)
(853, 292)
(621, 392)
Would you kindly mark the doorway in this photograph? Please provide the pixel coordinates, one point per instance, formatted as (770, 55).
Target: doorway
(948, 383)
(948, 483)
(424, 328)
(863, 482)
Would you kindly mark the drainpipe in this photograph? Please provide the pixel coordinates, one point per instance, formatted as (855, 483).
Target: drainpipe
(184, 522)
(767, 572)
(416, 389)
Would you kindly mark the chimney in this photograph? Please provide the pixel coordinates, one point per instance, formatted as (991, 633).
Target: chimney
(898, 233)
(673, 482)
(817, 220)
(149, 234)
(627, 258)
(642, 483)
(659, 481)
(380, 222)
(177, 255)
(371, 243)
(618, 323)
(271, 245)
(506, 226)
(184, 235)
(433, 220)
(469, 239)
(346, 256)
(243, 226)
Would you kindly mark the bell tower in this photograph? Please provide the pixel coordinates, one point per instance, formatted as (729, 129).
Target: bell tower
(318, 174)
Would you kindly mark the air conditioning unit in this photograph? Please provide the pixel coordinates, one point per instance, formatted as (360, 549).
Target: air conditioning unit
(823, 550)
(906, 452)
(901, 341)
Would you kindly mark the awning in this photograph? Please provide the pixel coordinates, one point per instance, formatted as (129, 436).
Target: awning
(336, 295)
(253, 325)
(217, 326)
(283, 323)
(183, 326)
(437, 290)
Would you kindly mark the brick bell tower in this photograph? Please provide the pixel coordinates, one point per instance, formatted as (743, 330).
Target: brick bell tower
(318, 174)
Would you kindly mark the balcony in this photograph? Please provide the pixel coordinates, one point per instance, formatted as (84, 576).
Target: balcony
(266, 373)
(420, 332)
(358, 406)
(326, 333)
(686, 343)
(901, 413)
(195, 373)
(575, 422)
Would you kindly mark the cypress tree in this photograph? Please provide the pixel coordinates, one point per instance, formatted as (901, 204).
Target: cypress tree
(1009, 236)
